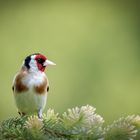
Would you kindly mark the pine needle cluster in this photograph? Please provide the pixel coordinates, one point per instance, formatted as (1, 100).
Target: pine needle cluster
(75, 124)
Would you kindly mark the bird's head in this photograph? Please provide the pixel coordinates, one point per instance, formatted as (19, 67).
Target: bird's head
(37, 62)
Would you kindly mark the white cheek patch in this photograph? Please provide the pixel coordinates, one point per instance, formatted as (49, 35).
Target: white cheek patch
(33, 65)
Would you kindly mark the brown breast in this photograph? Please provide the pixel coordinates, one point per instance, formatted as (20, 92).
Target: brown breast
(42, 88)
(18, 86)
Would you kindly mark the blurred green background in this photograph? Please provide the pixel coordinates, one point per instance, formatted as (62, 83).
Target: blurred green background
(95, 45)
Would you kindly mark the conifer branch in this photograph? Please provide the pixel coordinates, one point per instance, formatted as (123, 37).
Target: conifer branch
(74, 124)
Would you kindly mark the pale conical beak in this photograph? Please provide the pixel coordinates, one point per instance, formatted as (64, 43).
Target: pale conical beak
(48, 62)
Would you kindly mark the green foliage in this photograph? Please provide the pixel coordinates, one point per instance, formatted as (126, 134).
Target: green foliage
(76, 124)
(123, 129)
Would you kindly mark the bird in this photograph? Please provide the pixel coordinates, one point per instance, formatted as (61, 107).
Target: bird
(31, 85)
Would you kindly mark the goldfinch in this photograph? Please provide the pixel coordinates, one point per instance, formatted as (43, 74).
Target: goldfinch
(31, 85)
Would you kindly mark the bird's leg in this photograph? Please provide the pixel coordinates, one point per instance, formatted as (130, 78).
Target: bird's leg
(40, 113)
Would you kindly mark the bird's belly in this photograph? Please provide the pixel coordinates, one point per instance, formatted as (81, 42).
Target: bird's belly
(30, 102)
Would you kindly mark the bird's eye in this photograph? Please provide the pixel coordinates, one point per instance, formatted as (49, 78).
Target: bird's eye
(40, 60)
